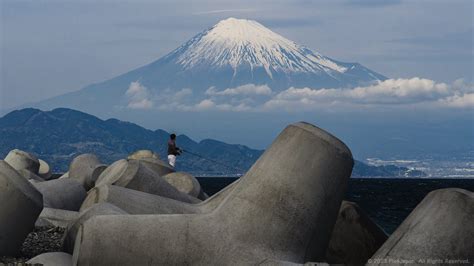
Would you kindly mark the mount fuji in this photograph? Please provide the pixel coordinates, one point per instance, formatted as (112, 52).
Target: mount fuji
(232, 53)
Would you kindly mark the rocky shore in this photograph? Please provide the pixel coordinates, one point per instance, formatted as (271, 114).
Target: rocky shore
(288, 209)
(42, 239)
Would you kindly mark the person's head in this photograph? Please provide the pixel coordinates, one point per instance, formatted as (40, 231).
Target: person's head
(173, 136)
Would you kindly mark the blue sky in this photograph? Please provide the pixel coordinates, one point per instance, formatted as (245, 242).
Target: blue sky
(52, 47)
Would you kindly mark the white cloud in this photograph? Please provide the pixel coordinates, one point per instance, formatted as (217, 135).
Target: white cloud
(138, 96)
(209, 104)
(400, 91)
(389, 92)
(461, 86)
(459, 101)
(396, 93)
(248, 89)
(205, 105)
(183, 93)
(142, 104)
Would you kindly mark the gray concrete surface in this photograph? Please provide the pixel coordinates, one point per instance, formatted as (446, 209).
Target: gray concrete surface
(355, 237)
(215, 200)
(440, 228)
(185, 183)
(284, 208)
(98, 170)
(20, 205)
(44, 170)
(143, 154)
(157, 166)
(52, 259)
(82, 168)
(19, 159)
(65, 175)
(66, 193)
(29, 175)
(135, 174)
(153, 161)
(136, 202)
(56, 217)
(268, 262)
(103, 208)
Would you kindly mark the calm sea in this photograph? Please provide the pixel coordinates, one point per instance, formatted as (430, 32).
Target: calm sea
(388, 201)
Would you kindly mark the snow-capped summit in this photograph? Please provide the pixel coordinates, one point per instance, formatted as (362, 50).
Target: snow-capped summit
(232, 53)
(236, 42)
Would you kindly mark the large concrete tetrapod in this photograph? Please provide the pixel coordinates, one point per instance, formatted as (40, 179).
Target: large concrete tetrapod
(355, 237)
(19, 159)
(157, 166)
(135, 174)
(143, 154)
(51, 259)
(288, 199)
(185, 183)
(136, 202)
(439, 230)
(56, 217)
(20, 205)
(82, 169)
(30, 176)
(66, 193)
(152, 161)
(103, 208)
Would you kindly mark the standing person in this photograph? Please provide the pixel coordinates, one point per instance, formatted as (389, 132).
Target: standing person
(173, 150)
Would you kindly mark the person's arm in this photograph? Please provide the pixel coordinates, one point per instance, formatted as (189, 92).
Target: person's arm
(178, 150)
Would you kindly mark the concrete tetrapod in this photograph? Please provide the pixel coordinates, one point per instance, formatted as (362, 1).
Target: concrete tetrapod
(439, 229)
(56, 217)
(143, 154)
(20, 205)
(82, 168)
(185, 183)
(355, 237)
(44, 170)
(157, 166)
(98, 170)
(19, 159)
(288, 199)
(66, 193)
(52, 259)
(30, 176)
(135, 174)
(136, 202)
(152, 161)
(103, 208)
(268, 262)
(65, 175)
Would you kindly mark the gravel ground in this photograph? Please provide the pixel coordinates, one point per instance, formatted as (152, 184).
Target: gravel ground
(41, 240)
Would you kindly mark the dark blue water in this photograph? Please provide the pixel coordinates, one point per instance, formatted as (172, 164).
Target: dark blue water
(388, 201)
